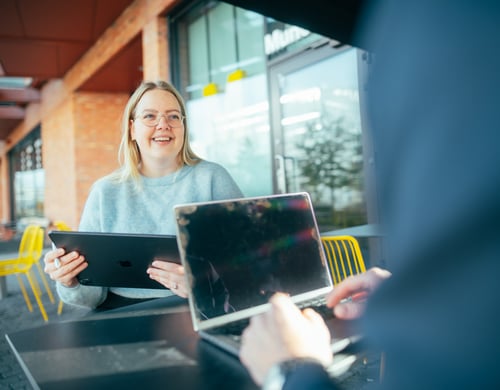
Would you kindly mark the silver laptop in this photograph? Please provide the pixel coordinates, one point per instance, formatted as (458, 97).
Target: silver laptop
(237, 253)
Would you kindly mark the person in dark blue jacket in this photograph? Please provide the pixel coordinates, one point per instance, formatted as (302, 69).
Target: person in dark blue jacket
(434, 109)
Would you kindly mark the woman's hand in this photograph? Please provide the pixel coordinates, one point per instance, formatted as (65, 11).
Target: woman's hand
(348, 297)
(63, 267)
(169, 274)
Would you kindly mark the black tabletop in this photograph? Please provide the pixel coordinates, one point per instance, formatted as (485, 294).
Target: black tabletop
(145, 346)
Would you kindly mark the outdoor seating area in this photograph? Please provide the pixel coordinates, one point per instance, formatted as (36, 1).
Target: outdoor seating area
(22, 257)
(249, 194)
(18, 314)
(27, 297)
(14, 316)
(15, 319)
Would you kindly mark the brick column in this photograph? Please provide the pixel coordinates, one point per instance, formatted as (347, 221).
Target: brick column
(155, 50)
(4, 185)
(80, 145)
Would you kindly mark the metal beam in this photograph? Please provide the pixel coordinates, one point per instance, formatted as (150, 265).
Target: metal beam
(18, 95)
(11, 112)
(335, 19)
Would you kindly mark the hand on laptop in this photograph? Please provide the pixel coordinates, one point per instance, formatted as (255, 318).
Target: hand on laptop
(170, 275)
(348, 297)
(63, 267)
(282, 333)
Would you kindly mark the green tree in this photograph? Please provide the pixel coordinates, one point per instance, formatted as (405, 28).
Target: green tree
(332, 159)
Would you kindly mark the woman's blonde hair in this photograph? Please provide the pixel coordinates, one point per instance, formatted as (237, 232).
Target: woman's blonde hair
(129, 155)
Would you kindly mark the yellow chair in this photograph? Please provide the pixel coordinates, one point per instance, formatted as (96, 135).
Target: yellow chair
(23, 265)
(344, 257)
(37, 255)
(60, 225)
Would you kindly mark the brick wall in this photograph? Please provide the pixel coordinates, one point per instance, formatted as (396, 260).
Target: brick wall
(97, 127)
(59, 161)
(80, 145)
(4, 177)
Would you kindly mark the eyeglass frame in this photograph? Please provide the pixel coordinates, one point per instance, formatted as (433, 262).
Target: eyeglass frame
(159, 114)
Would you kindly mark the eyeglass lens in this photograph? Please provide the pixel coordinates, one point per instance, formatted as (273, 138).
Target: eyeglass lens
(173, 119)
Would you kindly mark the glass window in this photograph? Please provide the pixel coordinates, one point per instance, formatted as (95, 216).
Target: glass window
(232, 128)
(283, 110)
(28, 177)
(199, 66)
(221, 39)
(319, 147)
(231, 124)
(222, 43)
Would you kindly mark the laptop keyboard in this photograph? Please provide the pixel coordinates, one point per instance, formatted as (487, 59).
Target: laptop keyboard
(234, 329)
(318, 305)
(228, 337)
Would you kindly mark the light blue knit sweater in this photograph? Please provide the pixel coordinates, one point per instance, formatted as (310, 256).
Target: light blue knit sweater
(123, 208)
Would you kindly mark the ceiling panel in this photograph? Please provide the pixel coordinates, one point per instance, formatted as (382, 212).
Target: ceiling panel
(29, 58)
(68, 54)
(123, 73)
(10, 25)
(43, 39)
(57, 19)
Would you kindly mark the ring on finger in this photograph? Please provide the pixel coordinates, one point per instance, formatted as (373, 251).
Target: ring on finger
(57, 263)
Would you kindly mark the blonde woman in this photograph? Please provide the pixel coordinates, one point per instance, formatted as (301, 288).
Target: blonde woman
(158, 170)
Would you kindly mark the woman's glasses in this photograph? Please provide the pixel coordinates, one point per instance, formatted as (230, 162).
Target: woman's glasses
(151, 118)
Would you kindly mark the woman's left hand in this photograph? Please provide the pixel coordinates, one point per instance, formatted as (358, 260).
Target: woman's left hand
(171, 275)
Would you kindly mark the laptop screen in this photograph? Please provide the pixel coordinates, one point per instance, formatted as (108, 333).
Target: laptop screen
(238, 253)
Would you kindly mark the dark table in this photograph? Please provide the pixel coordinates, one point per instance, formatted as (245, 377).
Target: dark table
(150, 345)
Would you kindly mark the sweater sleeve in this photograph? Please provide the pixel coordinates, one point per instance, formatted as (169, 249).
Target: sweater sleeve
(84, 296)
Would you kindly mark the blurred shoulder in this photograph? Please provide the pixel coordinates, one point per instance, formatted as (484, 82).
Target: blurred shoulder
(208, 167)
(106, 183)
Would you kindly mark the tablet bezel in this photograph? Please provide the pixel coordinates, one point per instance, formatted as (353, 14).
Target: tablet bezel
(118, 259)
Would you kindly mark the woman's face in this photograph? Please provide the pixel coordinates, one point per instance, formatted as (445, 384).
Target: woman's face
(160, 143)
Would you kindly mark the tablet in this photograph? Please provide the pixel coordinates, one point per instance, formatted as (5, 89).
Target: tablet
(118, 259)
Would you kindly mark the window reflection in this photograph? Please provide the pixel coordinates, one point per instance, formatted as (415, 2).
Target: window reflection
(28, 177)
(322, 146)
(277, 128)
